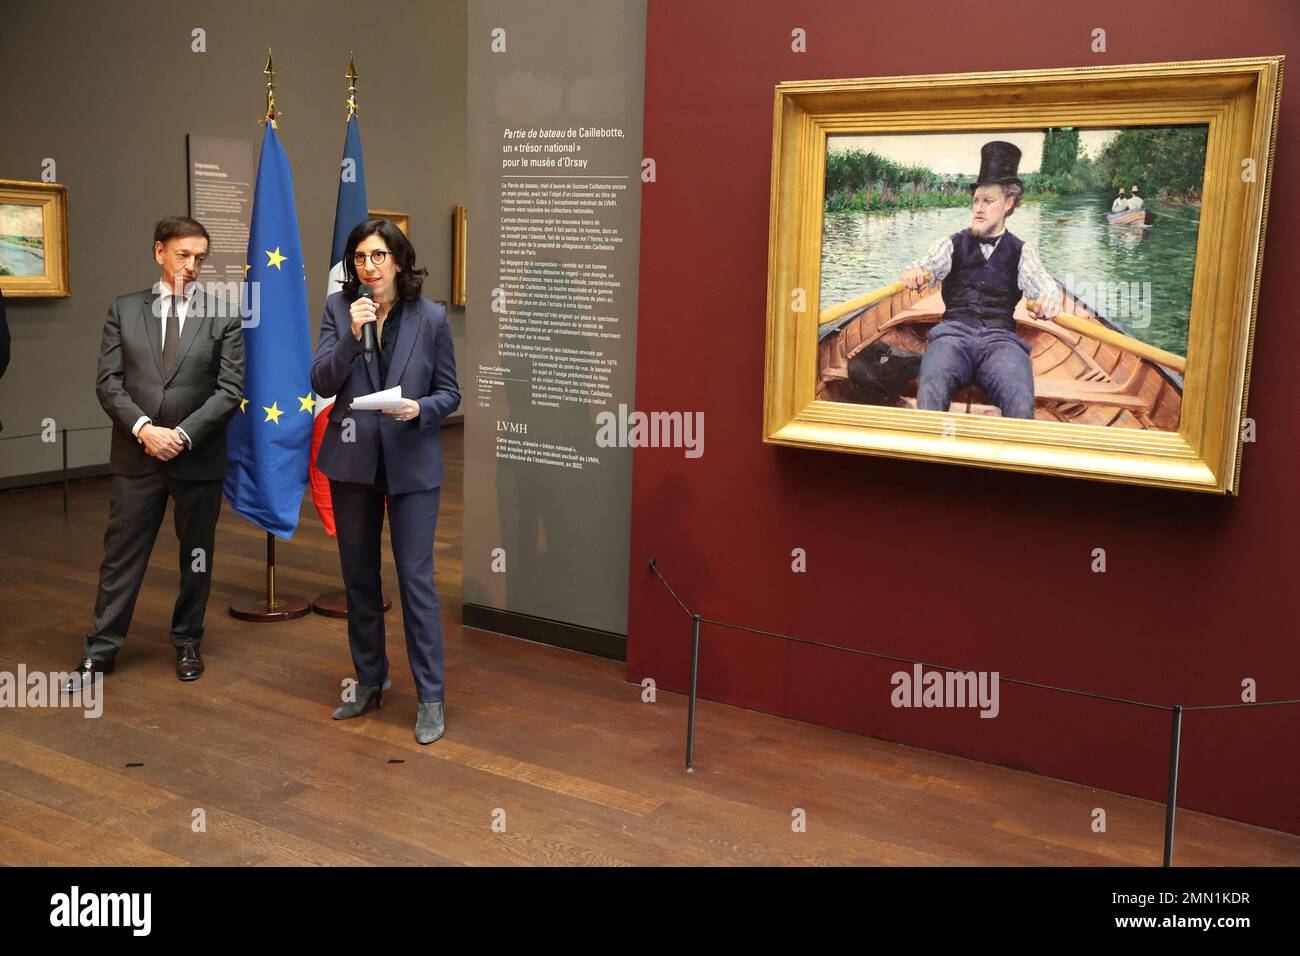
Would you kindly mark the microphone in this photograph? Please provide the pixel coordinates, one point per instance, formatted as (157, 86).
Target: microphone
(368, 330)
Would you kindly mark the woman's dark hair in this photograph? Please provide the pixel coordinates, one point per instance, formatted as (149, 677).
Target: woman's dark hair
(409, 280)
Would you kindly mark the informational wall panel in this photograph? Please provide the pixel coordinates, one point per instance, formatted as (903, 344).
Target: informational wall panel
(221, 197)
(555, 110)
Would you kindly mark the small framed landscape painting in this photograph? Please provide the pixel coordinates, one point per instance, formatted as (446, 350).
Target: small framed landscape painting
(33, 239)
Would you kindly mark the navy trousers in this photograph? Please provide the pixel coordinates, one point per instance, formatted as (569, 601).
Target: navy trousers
(413, 519)
(997, 360)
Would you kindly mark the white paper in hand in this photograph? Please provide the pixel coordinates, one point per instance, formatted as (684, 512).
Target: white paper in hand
(389, 398)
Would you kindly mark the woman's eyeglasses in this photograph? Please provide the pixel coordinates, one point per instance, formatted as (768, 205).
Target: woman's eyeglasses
(377, 257)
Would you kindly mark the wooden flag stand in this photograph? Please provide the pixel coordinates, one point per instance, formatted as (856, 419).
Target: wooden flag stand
(272, 608)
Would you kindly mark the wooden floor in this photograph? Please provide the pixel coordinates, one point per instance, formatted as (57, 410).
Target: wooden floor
(556, 745)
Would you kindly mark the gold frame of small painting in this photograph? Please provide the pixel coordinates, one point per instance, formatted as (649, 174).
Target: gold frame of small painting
(402, 220)
(459, 257)
(1236, 99)
(52, 200)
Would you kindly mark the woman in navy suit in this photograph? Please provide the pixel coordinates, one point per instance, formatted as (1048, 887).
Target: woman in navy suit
(395, 455)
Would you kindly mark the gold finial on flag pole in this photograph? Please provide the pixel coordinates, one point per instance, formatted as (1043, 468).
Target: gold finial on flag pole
(270, 92)
(351, 74)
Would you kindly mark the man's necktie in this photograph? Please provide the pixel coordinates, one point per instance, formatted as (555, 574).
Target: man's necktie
(171, 338)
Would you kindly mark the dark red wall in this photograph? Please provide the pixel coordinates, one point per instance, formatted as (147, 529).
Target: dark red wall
(973, 568)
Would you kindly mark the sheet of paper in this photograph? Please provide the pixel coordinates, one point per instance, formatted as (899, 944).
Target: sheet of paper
(379, 401)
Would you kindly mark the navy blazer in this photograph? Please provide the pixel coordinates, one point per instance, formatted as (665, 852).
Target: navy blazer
(423, 364)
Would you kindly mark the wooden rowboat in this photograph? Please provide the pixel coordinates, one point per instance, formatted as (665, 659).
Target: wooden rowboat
(1076, 378)
(1132, 217)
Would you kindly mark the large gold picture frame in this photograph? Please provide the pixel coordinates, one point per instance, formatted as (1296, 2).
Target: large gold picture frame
(1237, 99)
(48, 243)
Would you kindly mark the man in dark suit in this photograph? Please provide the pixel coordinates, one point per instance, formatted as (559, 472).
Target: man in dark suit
(171, 373)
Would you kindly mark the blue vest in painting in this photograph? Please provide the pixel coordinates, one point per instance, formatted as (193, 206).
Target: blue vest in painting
(979, 292)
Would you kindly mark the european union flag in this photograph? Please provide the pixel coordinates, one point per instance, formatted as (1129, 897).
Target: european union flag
(269, 439)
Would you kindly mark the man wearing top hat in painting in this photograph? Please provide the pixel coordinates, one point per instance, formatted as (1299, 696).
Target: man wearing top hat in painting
(984, 270)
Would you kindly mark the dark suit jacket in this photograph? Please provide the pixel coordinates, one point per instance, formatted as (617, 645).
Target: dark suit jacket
(423, 364)
(200, 395)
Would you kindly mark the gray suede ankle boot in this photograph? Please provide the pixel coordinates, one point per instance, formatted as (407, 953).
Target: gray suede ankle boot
(365, 694)
(428, 722)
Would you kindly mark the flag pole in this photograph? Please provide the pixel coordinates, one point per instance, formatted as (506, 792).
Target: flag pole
(270, 609)
(270, 92)
(335, 603)
(351, 76)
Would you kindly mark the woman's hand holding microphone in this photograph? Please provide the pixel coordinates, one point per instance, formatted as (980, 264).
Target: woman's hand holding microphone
(363, 312)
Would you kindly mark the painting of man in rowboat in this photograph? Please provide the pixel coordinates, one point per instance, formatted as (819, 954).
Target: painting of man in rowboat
(994, 274)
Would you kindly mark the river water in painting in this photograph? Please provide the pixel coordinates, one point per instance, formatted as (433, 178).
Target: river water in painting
(21, 260)
(1138, 277)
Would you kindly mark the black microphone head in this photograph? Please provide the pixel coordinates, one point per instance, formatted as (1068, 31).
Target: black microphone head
(366, 292)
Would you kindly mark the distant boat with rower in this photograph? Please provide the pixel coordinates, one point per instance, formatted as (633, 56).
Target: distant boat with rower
(1134, 217)
(1130, 211)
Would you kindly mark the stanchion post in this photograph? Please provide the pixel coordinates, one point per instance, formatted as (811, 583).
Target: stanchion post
(64, 443)
(695, 673)
(1171, 808)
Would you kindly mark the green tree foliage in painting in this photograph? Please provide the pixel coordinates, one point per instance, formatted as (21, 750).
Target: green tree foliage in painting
(859, 179)
(1060, 151)
(1062, 169)
(1163, 161)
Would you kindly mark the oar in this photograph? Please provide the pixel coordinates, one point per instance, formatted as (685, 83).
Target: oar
(837, 312)
(1095, 330)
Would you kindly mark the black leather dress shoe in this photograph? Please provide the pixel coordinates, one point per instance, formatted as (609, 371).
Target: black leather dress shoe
(84, 674)
(189, 662)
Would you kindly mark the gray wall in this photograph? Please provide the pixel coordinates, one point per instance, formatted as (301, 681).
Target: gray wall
(109, 91)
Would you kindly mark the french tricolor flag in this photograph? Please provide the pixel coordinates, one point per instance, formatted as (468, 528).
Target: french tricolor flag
(352, 209)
